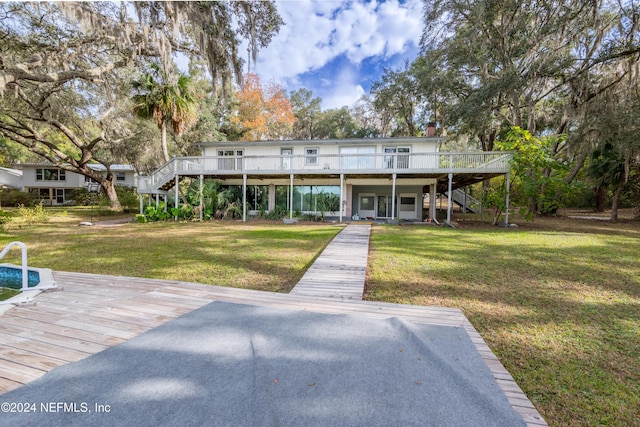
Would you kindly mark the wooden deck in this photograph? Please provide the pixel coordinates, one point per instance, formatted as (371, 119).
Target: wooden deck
(94, 312)
(340, 270)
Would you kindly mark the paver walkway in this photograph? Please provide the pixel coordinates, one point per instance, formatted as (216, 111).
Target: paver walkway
(340, 270)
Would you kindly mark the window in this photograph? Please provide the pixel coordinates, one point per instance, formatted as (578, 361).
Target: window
(407, 204)
(120, 176)
(399, 157)
(367, 203)
(286, 154)
(357, 158)
(258, 197)
(309, 198)
(43, 174)
(233, 162)
(311, 156)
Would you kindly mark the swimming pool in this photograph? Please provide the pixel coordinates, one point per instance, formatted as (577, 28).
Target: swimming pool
(38, 278)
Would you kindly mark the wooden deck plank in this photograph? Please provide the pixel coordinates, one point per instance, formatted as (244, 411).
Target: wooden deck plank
(340, 270)
(53, 339)
(26, 320)
(8, 385)
(29, 358)
(39, 347)
(107, 305)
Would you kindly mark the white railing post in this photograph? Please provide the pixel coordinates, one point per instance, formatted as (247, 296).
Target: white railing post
(25, 271)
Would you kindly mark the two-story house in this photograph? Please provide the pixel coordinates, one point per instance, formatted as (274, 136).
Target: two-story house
(53, 186)
(373, 178)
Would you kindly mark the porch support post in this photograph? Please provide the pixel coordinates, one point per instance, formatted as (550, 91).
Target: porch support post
(201, 197)
(141, 207)
(272, 197)
(449, 190)
(506, 202)
(291, 196)
(157, 200)
(342, 201)
(244, 197)
(432, 201)
(175, 202)
(393, 196)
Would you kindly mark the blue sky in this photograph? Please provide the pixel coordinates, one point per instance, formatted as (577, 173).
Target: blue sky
(337, 49)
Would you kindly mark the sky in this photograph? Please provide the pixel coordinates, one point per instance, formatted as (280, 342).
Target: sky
(337, 49)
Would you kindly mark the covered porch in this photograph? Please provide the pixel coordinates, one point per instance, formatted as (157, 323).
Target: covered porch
(388, 186)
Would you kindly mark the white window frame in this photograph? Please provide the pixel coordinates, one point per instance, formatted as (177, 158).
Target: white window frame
(311, 156)
(409, 214)
(398, 157)
(234, 161)
(60, 174)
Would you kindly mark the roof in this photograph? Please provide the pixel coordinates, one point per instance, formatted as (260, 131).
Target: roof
(94, 166)
(114, 168)
(14, 172)
(307, 142)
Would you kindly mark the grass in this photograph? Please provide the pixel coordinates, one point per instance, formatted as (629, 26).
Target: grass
(6, 293)
(560, 309)
(558, 302)
(261, 256)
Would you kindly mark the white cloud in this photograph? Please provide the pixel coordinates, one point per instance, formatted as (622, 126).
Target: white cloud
(343, 90)
(317, 32)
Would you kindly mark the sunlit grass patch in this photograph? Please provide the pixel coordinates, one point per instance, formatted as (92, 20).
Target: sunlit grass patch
(560, 309)
(263, 256)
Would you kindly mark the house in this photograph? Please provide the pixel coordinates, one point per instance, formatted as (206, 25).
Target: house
(10, 178)
(373, 178)
(54, 186)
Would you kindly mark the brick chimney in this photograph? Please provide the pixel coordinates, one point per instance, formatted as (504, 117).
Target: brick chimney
(431, 129)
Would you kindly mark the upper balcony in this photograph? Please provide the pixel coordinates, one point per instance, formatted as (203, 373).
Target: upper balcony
(362, 165)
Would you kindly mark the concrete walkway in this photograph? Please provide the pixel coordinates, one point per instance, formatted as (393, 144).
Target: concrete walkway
(339, 272)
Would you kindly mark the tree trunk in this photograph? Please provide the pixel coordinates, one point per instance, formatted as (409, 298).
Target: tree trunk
(110, 192)
(163, 141)
(616, 200)
(599, 194)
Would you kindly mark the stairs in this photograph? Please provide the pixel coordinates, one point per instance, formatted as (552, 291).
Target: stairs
(467, 202)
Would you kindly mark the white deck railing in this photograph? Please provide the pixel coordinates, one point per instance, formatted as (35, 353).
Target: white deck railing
(365, 164)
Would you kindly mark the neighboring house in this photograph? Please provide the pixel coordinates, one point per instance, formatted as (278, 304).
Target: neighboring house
(54, 186)
(374, 178)
(10, 178)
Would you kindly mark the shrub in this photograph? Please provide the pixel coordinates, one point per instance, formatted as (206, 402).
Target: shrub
(13, 197)
(35, 215)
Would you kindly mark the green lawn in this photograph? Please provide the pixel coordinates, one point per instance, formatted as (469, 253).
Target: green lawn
(269, 257)
(560, 306)
(560, 309)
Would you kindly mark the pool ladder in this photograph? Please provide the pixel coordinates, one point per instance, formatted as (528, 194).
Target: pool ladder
(25, 271)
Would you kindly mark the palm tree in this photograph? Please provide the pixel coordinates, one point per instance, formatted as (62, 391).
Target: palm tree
(167, 102)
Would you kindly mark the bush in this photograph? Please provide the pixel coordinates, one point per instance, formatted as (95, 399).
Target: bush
(35, 215)
(277, 213)
(13, 197)
(310, 217)
(5, 217)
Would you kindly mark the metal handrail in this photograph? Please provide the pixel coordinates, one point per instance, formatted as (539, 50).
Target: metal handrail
(25, 271)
